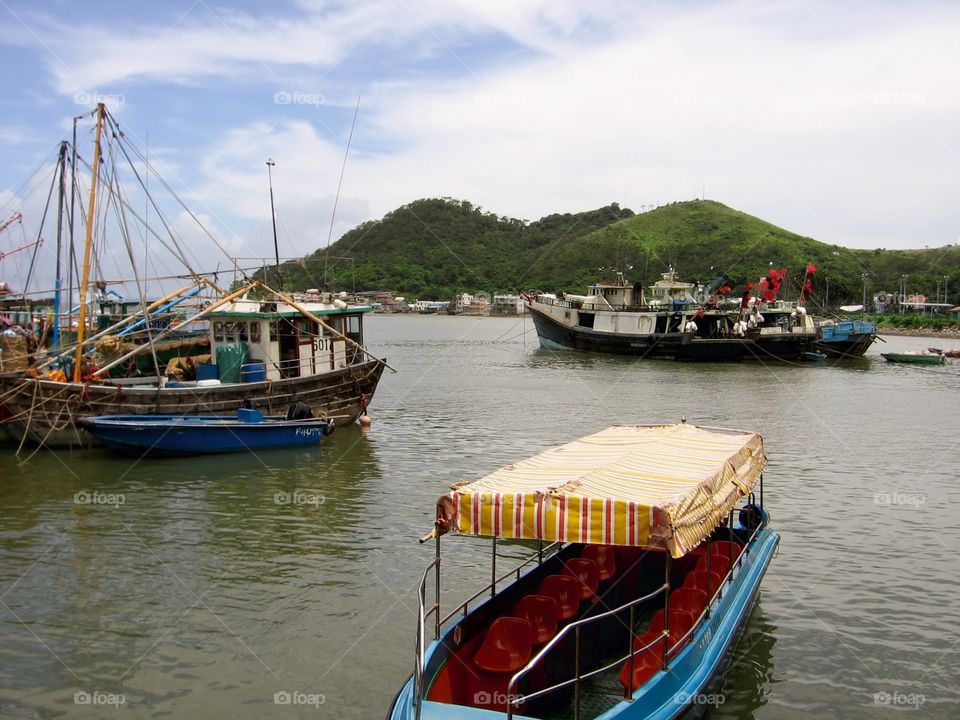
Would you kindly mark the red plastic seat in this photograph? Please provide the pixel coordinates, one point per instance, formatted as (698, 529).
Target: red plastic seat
(604, 557)
(507, 646)
(565, 591)
(726, 548)
(680, 622)
(698, 580)
(586, 573)
(718, 564)
(541, 612)
(645, 662)
(689, 600)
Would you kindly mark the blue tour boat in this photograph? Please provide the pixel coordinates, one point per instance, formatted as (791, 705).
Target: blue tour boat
(642, 579)
(166, 435)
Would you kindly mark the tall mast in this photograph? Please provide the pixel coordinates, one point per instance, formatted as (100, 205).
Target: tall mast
(273, 217)
(85, 279)
(56, 284)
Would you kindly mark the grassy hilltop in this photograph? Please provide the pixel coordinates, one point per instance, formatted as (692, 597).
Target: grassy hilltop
(434, 248)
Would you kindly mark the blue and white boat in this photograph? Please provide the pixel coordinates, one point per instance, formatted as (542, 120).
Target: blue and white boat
(643, 576)
(167, 435)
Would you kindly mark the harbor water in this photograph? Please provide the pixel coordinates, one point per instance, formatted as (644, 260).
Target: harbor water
(282, 584)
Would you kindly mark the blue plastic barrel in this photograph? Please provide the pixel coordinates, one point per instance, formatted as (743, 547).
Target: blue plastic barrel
(206, 371)
(253, 372)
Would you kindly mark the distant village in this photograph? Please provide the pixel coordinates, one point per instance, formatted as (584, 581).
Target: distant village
(481, 304)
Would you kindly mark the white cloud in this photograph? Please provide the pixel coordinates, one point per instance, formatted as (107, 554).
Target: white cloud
(828, 122)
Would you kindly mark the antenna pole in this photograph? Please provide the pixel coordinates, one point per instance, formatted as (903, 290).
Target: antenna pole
(336, 200)
(273, 217)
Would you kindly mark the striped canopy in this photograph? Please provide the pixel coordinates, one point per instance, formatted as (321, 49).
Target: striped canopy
(664, 486)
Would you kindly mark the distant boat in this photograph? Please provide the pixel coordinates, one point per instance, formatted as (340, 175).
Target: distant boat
(171, 435)
(618, 318)
(916, 358)
(846, 339)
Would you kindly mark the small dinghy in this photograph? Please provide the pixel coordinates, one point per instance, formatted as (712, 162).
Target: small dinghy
(167, 435)
(915, 358)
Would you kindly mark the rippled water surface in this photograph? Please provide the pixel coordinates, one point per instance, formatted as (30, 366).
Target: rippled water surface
(201, 588)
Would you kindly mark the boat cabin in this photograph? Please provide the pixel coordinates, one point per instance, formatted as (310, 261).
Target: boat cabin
(615, 296)
(668, 292)
(289, 343)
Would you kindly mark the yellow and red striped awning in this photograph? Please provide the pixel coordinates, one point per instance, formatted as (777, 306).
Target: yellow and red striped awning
(664, 486)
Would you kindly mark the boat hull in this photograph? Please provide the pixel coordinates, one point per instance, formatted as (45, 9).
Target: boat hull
(846, 339)
(692, 671)
(557, 336)
(45, 412)
(193, 435)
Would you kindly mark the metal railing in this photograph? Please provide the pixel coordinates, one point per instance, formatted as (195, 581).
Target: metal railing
(579, 676)
(422, 615)
(464, 607)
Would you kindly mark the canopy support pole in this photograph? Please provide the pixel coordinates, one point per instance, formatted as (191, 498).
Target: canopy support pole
(666, 607)
(436, 626)
(493, 569)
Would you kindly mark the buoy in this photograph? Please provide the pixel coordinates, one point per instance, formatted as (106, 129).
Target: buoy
(364, 421)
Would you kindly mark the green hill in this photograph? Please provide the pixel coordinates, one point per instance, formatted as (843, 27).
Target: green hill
(437, 247)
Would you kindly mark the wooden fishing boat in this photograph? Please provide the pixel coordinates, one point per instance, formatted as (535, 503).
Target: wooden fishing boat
(310, 352)
(915, 358)
(266, 347)
(172, 435)
(642, 579)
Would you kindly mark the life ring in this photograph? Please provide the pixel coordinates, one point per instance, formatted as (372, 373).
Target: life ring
(751, 517)
(883, 298)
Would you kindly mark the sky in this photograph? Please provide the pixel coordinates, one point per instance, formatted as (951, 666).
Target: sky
(838, 121)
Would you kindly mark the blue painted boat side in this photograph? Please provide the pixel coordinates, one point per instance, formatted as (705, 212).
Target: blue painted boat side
(188, 435)
(691, 670)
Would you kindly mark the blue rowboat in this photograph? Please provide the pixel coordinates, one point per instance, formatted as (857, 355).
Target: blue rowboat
(643, 577)
(166, 435)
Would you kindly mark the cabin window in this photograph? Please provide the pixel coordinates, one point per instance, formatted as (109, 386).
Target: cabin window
(336, 323)
(255, 332)
(218, 332)
(586, 320)
(274, 331)
(353, 325)
(229, 332)
(242, 331)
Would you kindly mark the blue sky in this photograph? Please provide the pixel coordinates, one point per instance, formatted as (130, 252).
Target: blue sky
(835, 121)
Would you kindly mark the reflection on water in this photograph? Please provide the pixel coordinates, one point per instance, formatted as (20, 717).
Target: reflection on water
(217, 582)
(750, 678)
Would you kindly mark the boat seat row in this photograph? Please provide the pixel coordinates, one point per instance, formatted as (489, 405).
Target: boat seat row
(725, 548)
(686, 606)
(510, 640)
